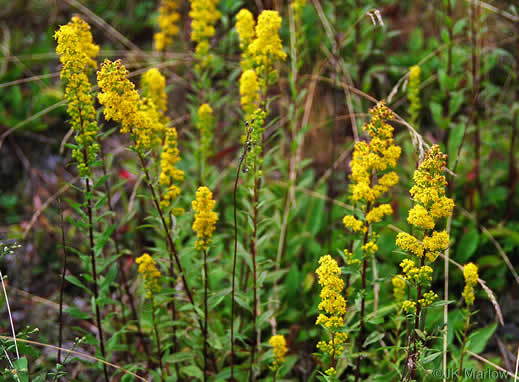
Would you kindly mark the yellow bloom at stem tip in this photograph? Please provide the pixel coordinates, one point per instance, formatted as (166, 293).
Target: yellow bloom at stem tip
(398, 287)
(267, 46)
(279, 346)
(204, 16)
(153, 85)
(249, 92)
(168, 19)
(150, 273)
(470, 272)
(169, 173)
(245, 27)
(205, 125)
(76, 49)
(138, 116)
(205, 217)
(333, 306)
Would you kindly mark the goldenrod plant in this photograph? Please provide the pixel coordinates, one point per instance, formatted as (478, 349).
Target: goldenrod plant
(204, 226)
(77, 52)
(423, 246)
(372, 176)
(333, 306)
(151, 276)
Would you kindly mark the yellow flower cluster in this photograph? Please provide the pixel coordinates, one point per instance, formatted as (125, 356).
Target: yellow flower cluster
(398, 287)
(332, 302)
(153, 85)
(267, 47)
(419, 274)
(377, 213)
(168, 19)
(376, 156)
(470, 272)
(409, 306)
(353, 224)
(205, 217)
(370, 247)
(245, 27)
(334, 306)
(205, 125)
(414, 94)
(249, 92)
(138, 116)
(431, 204)
(419, 217)
(204, 16)
(261, 47)
(76, 49)
(350, 260)
(428, 298)
(429, 184)
(150, 273)
(279, 346)
(409, 243)
(438, 241)
(334, 346)
(169, 173)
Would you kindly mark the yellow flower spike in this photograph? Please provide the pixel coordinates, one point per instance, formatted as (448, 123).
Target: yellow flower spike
(249, 92)
(267, 46)
(168, 19)
(150, 273)
(168, 172)
(398, 287)
(205, 217)
(377, 155)
(76, 49)
(332, 304)
(204, 16)
(153, 85)
(205, 125)
(414, 94)
(470, 273)
(279, 346)
(123, 104)
(245, 25)
(332, 285)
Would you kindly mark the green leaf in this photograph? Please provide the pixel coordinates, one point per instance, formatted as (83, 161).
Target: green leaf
(373, 337)
(467, 245)
(432, 357)
(77, 282)
(22, 367)
(478, 340)
(455, 138)
(193, 371)
(75, 312)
